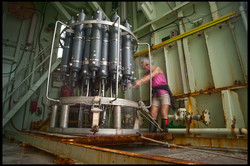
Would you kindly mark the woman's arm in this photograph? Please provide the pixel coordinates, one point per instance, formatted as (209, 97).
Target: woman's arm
(146, 78)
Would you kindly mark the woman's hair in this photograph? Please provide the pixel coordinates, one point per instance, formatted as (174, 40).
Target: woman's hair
(146, 60)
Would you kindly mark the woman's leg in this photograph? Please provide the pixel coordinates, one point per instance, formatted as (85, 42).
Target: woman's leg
(154, 111)
(164, 117)
(164, 111)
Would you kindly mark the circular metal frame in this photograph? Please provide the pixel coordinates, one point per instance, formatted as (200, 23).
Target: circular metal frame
(87, 131)
(103, 100)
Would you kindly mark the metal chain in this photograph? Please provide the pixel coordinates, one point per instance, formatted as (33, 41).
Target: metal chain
(151, 121)
(166, 143)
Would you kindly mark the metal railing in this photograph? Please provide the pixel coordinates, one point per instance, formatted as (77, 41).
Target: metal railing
(22, 70)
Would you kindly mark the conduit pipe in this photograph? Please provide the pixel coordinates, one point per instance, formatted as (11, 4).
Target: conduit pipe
(209, 24)
(226, 131)
(243, 14)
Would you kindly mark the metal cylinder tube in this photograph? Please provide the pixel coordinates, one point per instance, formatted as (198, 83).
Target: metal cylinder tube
(113, 48)
(196, 117)
(77, 49)
(86, 74)
(126, 55)
(52, 122)
(67, 49)
(96, 44)
(103, 71)
(117, 117)
(64, 116)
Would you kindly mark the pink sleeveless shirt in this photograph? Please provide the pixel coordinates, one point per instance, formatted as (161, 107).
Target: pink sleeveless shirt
(158, 80)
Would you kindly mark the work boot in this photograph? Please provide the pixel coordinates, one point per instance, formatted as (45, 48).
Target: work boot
(164, 124)
(152, 127)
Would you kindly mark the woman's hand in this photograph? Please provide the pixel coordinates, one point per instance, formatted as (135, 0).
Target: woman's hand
(137, 84)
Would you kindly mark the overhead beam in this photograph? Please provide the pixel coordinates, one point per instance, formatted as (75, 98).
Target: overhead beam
(95, 5)
(148, 10)
(61, 10)
(160, 17)
(70, 8)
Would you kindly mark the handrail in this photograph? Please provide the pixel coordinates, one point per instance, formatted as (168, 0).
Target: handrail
(50, 60)
(26, 79)
(149, 55)
(27, 65)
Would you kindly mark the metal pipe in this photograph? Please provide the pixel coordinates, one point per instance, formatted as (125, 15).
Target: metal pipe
(149, 55)
(52, 122)
(80, 117)
(50, 60)
(117, 117)
(223, 131)
(226, 131)
(64, 116)
(117, 66)
(170, 116)
(87, 94)
(243, 14)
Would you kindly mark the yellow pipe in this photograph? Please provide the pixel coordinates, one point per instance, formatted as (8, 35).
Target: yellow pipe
(188, 32)
(198, 30)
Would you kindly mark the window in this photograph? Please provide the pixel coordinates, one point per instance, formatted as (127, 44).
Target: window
(60, 49)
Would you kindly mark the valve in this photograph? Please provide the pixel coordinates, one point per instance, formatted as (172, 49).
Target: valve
(206, 117)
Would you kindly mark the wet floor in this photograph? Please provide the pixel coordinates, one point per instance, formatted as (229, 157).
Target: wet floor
(186, 154)
(13, 153)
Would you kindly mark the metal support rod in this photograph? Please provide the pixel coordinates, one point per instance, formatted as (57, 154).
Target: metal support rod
(52, 122)
(64, 116)
(149, 55)
(117, 117)
(87, 94)
(117, 66)
(111, 89)
(80, 117)
(50, 60)
(173, 11)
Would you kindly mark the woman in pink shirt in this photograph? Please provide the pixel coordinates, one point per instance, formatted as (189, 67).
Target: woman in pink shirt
(161, 93)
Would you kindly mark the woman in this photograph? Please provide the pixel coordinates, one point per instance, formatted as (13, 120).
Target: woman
(161, 93)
